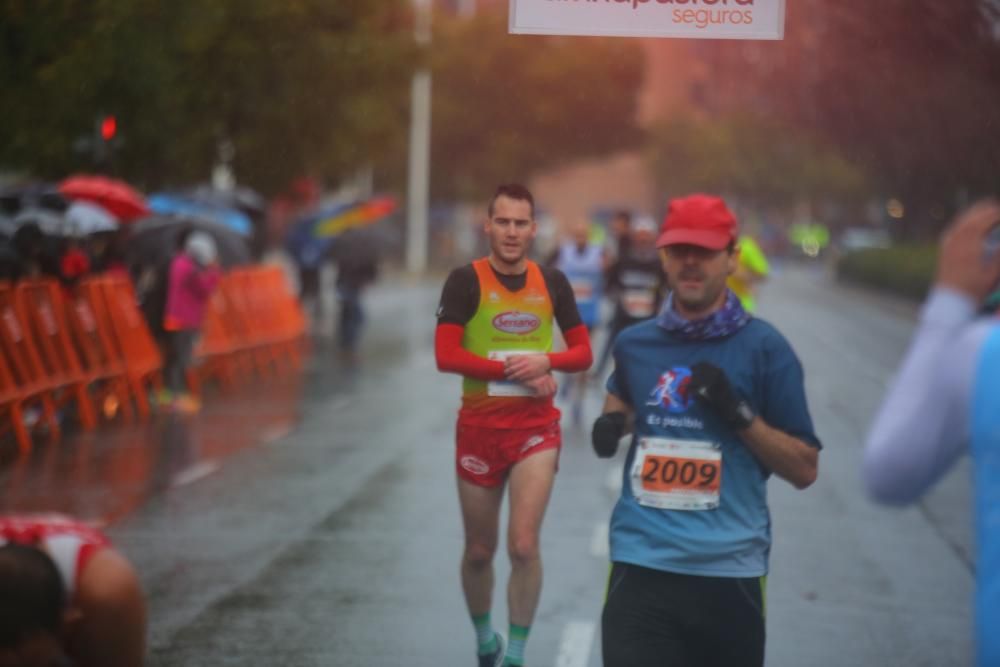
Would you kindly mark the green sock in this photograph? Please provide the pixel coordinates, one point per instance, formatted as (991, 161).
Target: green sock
(515, 645)
(485, 636)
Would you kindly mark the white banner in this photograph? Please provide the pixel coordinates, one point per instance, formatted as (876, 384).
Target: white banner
(706, 19)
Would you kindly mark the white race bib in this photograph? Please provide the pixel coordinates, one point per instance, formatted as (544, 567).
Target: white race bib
(507, 387)
(677, 474)
(639, 303)
(583, 288)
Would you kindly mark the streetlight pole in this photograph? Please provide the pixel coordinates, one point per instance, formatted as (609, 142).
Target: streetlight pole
(418, 180)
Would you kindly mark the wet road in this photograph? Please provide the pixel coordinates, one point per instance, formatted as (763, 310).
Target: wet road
(313, 520)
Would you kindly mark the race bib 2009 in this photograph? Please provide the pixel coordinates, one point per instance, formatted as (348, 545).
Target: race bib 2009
(677, 474)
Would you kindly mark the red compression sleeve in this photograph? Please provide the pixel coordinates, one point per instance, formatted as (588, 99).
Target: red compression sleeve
(577, 357)
(453, 358)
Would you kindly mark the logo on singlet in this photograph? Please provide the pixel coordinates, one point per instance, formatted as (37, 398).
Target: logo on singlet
(513, 322)
(671, 390)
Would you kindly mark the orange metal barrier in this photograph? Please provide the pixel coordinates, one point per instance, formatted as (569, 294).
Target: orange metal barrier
(94, 345)
(32, 387)
(217, 349)
(39, 302)
(253, 323)
(11, 407)
(143, 363)
(92, 334)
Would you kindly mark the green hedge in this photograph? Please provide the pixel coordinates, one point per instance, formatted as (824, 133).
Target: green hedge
(904, 270)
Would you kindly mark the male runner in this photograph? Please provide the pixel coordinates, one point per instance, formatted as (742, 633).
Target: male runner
(945, 401)
(752, 270)
(637, 281)
(66, 596)
(495, 325)
(718, 405)
(583, 263)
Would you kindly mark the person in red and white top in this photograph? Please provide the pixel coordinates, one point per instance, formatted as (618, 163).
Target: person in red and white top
(66, 596)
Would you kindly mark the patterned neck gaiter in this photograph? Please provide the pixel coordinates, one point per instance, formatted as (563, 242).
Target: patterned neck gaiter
(724, 322)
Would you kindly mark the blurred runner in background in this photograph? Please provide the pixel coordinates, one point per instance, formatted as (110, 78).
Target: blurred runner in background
(751, 271)
(583, 264)
(636, 282)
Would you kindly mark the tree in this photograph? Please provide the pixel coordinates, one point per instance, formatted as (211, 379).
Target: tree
(506, 107)
(908, 89)
(304, 86)
(756, 161)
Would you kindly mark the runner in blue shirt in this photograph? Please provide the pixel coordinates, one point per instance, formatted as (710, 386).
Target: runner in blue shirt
(945, 400)
(716, 404)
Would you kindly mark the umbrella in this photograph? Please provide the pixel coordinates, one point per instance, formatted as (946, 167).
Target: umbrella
(154, 240)
(88, 218)
(31, 195)
(312, 236)
(333, 222)
(242, 198)
(7, 227)
(116, 196)
(169, 204)
(50, 222)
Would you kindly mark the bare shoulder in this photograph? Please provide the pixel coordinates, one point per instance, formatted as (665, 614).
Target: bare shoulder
(108, 577)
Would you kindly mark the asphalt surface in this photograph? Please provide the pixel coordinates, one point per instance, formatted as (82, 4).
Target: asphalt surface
(313, 520)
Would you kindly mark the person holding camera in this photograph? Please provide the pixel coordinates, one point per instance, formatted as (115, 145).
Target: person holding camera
(715, 401)
(945, 401)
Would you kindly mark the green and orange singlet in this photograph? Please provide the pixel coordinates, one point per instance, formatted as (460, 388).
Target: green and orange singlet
(507, 323)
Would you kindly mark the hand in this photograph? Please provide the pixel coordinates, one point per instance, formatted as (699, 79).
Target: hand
(962, 265)
(524, 367)
(710, 387)
(608, 430)
(543, 386)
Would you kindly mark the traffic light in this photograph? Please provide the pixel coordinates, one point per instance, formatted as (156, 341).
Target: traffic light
(109, 127)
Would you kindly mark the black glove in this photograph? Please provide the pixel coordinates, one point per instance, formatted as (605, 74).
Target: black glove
(608, 430)
(710, 386)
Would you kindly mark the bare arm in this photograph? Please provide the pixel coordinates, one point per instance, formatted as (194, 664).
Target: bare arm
(786, 456)
(922, 427)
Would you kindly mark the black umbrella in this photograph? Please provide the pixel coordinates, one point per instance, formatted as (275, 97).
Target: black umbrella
(154, 240)
(243, 198)
(32, 195)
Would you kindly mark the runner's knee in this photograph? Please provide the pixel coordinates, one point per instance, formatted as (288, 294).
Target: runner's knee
(523, 548)
(479, 554)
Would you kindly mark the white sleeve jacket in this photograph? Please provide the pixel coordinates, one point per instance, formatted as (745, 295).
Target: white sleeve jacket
(923, 425)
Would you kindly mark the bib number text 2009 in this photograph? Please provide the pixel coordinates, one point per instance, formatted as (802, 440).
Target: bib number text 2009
(665, 473)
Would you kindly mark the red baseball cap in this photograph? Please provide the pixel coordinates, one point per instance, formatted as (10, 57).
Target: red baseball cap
(702, 220)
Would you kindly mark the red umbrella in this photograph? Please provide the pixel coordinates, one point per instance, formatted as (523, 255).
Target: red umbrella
(116, 196)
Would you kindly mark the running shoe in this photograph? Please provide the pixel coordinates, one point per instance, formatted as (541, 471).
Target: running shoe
(494, 659)
(187, 404)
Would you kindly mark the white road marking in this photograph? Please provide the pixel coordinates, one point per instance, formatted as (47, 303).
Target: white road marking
(574, 647)
(341, 402)
(276, 433)
(599, 541)
(195, 472)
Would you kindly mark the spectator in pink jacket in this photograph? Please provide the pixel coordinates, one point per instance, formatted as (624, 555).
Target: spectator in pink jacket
(193, 275)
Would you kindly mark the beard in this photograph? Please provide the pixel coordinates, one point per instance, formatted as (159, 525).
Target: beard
(698, 299)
